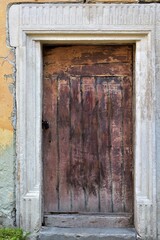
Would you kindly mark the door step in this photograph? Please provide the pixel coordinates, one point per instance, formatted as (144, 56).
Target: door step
(89, 220)
(55, 233)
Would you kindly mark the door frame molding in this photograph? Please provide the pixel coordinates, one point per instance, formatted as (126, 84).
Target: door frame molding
(31, 26)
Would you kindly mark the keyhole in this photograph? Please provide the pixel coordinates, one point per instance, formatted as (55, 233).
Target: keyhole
(45, 125)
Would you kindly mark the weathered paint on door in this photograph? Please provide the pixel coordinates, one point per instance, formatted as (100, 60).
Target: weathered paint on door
(87, 149)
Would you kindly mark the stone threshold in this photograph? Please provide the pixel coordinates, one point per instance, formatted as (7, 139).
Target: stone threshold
(56, 233)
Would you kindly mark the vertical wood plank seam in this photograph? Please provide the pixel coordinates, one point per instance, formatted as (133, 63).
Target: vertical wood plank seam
(82, 129)
(122, 146)
(70, 141)
(58, 150)
(109, 147)
(98, 159)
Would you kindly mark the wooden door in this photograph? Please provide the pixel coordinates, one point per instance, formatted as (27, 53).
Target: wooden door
(88, 129)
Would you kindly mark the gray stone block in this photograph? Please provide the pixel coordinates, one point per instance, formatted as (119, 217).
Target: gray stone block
(56, 233)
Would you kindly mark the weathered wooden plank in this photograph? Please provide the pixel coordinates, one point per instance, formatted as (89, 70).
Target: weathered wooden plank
(94, 129)
(63, 138)
(128, 143)
(50, 145)
(89, 220)
(90, 145)
(104, 146)
(115, 113)
(120, 69)
(57, 61)
(75, 173)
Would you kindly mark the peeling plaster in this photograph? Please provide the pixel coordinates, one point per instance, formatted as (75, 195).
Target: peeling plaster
(6, 137)
(9, 58)
(7, 147)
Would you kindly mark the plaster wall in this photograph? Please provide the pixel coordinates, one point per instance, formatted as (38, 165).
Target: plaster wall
(8, 112)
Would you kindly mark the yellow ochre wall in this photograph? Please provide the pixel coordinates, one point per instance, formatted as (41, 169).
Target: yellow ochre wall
(8, 110)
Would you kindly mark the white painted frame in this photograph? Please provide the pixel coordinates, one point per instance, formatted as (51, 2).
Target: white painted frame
(32, 25)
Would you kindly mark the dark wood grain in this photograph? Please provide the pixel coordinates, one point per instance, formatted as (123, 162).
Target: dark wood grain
(84, 56)
(50, 155)
(128, 143)
(75, 172)
(63, 135)
(88, 155)
(116, 145)
(104, 145)
(90, 144)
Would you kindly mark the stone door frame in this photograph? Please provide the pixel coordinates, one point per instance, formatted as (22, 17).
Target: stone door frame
(31, 26)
